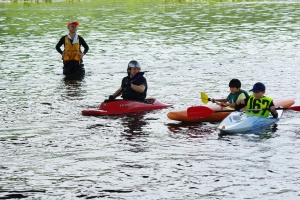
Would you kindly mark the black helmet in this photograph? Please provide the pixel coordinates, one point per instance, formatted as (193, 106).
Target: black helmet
(235, 83)
(133, 64)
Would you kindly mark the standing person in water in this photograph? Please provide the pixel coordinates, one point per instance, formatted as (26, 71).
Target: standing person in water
(136, 89)
(72, 54)
(235, 93)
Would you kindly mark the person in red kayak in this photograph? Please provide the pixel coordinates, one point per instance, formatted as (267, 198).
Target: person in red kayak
(258, 100)
(235, 93)
(136, 89)
(72, 54)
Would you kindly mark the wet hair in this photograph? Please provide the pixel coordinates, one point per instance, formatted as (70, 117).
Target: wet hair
(235, 83)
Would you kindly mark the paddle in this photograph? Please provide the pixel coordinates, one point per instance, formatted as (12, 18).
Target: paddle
(136, 76)
(205, 99)
(203, 111)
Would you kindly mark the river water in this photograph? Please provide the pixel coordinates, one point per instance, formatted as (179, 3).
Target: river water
(50, 151)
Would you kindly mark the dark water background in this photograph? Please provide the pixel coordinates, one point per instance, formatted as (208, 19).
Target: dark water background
(50, 151)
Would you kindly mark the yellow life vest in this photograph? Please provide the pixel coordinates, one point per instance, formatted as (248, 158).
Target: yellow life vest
(261, 103)
(72, 51)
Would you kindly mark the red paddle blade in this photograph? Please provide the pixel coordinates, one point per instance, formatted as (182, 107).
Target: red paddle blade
(295, 108)
(199, 111)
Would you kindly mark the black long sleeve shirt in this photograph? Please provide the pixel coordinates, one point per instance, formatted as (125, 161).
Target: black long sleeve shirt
(81, 42)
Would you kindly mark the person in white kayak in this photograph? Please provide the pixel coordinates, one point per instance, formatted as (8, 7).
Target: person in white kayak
(235, 93)
(259, 101)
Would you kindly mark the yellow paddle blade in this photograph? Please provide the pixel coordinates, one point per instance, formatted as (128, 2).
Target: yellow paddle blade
(204, 97)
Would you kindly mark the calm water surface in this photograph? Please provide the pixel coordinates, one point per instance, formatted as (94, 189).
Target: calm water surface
(50, 151)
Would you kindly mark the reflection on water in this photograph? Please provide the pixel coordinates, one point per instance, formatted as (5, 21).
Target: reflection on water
(191, 130)
(134, 134)
(73, 87)
(133, 126)
(73, 78)
(129, 127)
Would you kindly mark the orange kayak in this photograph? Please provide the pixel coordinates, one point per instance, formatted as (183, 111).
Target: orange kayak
(181, 115)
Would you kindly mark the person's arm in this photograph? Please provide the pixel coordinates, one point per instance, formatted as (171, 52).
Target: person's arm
(273, 110)
(138, 88)
(59, 44)
(139, 85)
(84, 44)
(219, 100)
(118, 92)
(241, 103)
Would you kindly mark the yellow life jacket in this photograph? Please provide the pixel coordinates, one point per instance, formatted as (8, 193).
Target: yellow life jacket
(261, 103)
(72, 51)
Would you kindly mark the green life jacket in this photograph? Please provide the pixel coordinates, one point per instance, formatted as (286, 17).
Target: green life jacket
(233, 97)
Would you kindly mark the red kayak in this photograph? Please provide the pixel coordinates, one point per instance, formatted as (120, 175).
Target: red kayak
(120, 106)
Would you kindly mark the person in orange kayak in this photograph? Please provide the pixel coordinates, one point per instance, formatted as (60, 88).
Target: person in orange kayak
(259, 101)
(136, 89)
(72, 54)
(235, 93)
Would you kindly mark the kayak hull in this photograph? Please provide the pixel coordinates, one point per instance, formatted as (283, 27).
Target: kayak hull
(181, 115)
(120, 106)
(240, 122)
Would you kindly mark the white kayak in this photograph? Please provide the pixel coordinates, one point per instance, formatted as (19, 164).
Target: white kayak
(240, 122)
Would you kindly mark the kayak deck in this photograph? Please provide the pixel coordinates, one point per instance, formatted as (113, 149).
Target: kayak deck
(182, 116)
(240, 122)
(120, 106)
